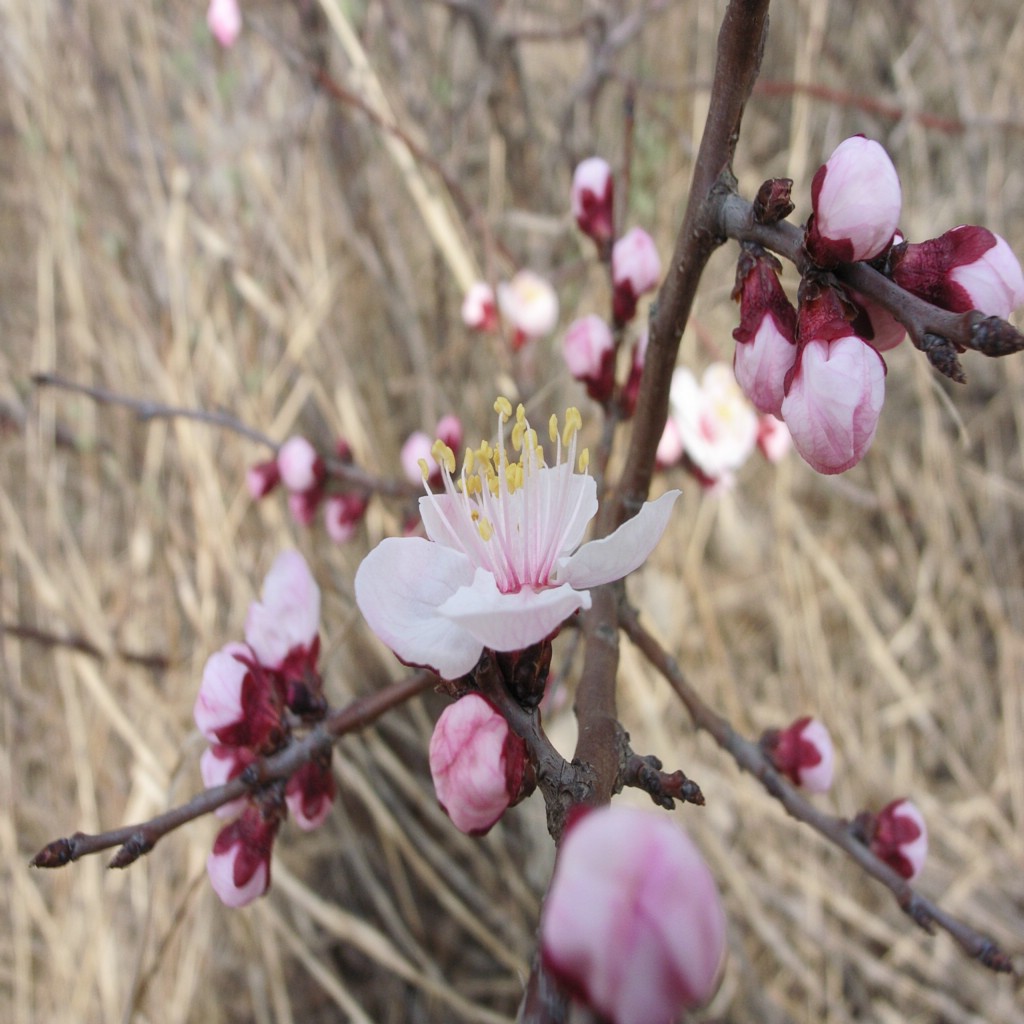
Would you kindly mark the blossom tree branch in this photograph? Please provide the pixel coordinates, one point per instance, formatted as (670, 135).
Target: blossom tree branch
(137, 840)
(740, 47)
(146, 409)
(937, 332)
(839, 831)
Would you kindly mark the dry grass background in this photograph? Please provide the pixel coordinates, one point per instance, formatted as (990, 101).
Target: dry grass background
(208, 229)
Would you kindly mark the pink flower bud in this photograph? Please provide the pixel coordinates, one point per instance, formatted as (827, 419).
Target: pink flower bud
(592, 198)
(479, 310)
(766, 336)
(342, 515)
(803, 753)
(773, 438)
(476, 762)
(219, 765)
(833, 402)
(262, 478)
(282, 628)
(900, 838)
(224, 20)
(966, 268)
(717, 424)
(449, 430)
(417, 449)
(856, 200)
(310, 794)
(670, 447)
(589, 350)
(530, 305)
(236, 705)
(239, 864)
(302, 506)
(300, 467)
(633, 922)
(636, 270)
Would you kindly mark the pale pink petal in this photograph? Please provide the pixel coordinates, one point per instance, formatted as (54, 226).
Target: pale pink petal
(219, 701)
(299, 464)
(288, 616)
(761, 365)
(633, 919)
(834, 402)
(224, 19)
(467, 764)
(512, 621)
(400, 586)
(221, 869)
(617, 555)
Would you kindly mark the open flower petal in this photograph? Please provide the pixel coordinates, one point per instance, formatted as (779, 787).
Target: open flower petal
(512, 621)
(288, 616)
(613, 557)
(400, 587)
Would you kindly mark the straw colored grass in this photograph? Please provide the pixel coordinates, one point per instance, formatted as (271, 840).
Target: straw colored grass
(208, 229)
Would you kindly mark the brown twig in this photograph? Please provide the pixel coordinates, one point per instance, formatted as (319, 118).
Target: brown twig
(937, 332)
(146, 409)
(136, 840)
(751, 758)
(159, 662)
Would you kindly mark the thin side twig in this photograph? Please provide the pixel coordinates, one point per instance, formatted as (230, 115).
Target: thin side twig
(751, 758)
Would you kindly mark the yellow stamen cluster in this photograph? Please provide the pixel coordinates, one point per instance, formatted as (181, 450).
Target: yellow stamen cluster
(489, 464)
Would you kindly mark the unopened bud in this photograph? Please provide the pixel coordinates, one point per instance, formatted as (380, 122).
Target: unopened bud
(636, 270)
(803, 752)
(589, 350)
(856, 200)
(633, 922)
(592, 199)
(477, 764)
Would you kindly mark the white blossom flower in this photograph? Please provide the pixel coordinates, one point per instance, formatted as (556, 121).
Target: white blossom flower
(503, 566)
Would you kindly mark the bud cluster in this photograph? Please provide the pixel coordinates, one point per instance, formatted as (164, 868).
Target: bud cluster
(591, 343)
(299, 468)
(250, 697)
(527, 304)
(819, 367)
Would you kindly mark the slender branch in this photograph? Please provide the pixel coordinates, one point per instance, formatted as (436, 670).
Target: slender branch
(751, 758)
(136, 840)
(926, 324)
(146, 409)
(740, 47)
(159, 662)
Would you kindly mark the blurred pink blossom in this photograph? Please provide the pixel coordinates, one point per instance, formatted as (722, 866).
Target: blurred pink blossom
(262, 478)
(342, 515)
(636, 270)
(773, 438)
(589, 350)
(300, 466)
(236, 704)
(476, 763)
(503, 566)
(856, 199)
(309, 794)
(479, 309)
(284, 624)
(592, 195)
(717, 425)
(900, 838)
(239, 864)
(224, 19)
(530, 305)
(220, 764)
(633, 921)
(803, 752)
